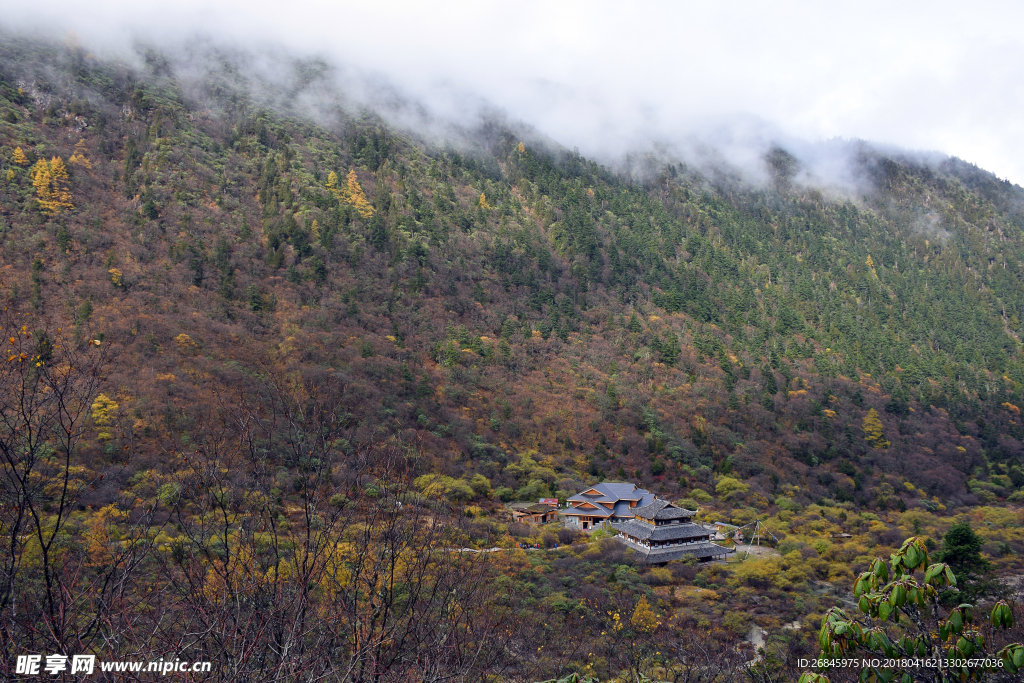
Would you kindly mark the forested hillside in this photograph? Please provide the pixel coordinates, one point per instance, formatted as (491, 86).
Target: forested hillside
(236, 332)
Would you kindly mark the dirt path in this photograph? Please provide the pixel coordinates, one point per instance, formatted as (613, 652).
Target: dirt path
(756, 637)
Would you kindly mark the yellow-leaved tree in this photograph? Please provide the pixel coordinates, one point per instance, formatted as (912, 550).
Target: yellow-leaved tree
(19, 157)
(50, 180)
(644, 619)
(871, 264)
(352, 193)
(873, 433)
(356, 197)
(79, 155)
(104, 410)
(332, 185)
(728, 488)
(186, 345)
(103, 531)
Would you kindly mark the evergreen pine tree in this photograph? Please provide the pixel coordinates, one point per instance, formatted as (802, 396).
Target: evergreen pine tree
(961, 550)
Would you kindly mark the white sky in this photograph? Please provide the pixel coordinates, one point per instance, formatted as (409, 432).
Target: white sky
(609, 76)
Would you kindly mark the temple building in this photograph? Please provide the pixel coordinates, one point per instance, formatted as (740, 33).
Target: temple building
(605, 502)
(662, 532)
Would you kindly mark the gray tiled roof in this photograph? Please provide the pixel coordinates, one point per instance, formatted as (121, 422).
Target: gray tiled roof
(662, 509)
(533, 508)
(611, 492)
(599, 510)
(658, 555)
(612, 500)
(622, 509)
(668, 532)
(621, 490)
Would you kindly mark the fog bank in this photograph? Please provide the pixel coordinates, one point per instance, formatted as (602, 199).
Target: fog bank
(610, 78)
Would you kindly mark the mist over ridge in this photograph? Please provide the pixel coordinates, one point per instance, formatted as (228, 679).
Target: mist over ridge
(613, 80)
(319, 88)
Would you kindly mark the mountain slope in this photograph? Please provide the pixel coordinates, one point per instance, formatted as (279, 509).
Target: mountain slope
(678, 295)
(522, 318)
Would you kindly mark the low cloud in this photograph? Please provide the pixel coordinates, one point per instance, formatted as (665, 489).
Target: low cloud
(703, 82)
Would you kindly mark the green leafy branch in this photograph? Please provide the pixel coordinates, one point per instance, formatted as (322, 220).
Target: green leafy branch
(908, 624)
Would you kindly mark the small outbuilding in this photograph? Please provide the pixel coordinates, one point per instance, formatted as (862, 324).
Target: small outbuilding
(534, 513)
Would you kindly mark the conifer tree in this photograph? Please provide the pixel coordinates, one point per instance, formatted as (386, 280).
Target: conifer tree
(78, 157)
(873, 433)
(670, 350)
(961, 550)
(351, 193)
(356, 197)
(41, 181)
(19, 157)
(104, 410)
(50, 182)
